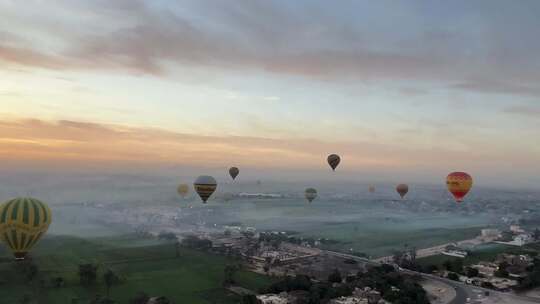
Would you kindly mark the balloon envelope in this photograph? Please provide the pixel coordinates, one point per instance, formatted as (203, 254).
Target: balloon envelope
(333, 161)
(310, 194)
(23, 221)
(459, 184)
(183, 190)
(233, 171)
(402, 189)
(204, 186)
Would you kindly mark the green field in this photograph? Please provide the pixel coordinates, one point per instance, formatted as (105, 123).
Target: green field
(486, 252)
(143, 265)
(381, 241)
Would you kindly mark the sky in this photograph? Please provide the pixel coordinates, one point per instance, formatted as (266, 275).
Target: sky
(401, 89)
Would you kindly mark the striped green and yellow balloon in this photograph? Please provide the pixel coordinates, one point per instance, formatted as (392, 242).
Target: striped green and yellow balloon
(205, 186)
(23, 221)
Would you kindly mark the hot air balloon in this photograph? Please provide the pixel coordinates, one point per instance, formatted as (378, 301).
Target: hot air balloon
(233, 171)
(459, 184)
(402, 189)
(205, 185)
(23, 221)
(371, 189)
(183, 190)
(311, 194)
(333, 161)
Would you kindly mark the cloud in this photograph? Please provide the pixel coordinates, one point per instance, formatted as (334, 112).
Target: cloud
(314, 41)
(532, 111)
(29, 57)
(500, 87)
(78, 141)
(76, 145)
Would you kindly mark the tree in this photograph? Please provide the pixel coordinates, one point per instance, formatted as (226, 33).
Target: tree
(102, 300)
(501, 271)
(140, 298)
(26, 299)
(87, 274)
(453, 276)
(250, 299)
(248, 234)
(447, 265)
(167, 236)
(229, 272)
(536, 234)
(431, 268)
(335, 277)
(471, 272)
(177, 248)
(487, 285)
(159, 300)
(30, 271)
(455, 265)
(58, 282)
(110, 278)
(193, 241)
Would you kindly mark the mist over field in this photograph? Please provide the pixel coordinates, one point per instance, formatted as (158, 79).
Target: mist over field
(96, 205)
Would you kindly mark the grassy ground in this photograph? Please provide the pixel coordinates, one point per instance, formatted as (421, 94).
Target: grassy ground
(383, 242)
(148, 266)
(487, 252)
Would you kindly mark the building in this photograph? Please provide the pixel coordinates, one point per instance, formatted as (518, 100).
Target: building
(516, 229)
(490, 233)
(486, 269)
(273, 298)
(502, 284)
(295, 296)
(515, 260)
(349, 300)
(519, 240)
(455, 253)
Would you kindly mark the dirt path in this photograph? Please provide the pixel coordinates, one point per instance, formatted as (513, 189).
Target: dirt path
(438, 292)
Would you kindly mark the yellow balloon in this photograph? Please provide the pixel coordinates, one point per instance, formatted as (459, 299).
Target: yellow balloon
(23, 221)
(205, 186)
(183, 190)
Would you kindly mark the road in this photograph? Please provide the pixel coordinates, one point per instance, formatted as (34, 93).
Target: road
(463, 291)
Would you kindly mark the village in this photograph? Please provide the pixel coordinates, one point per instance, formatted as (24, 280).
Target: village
(281, 254)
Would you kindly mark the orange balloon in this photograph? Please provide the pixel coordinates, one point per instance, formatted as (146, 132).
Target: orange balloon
(402, 189)
(459, 184)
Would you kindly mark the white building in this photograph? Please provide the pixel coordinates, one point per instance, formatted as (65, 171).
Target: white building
(516, 229)
(455, 253)
(349, 300)
(490, 233)
(519, 240)
(487, 269)
(522, 239)
(273, 298)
